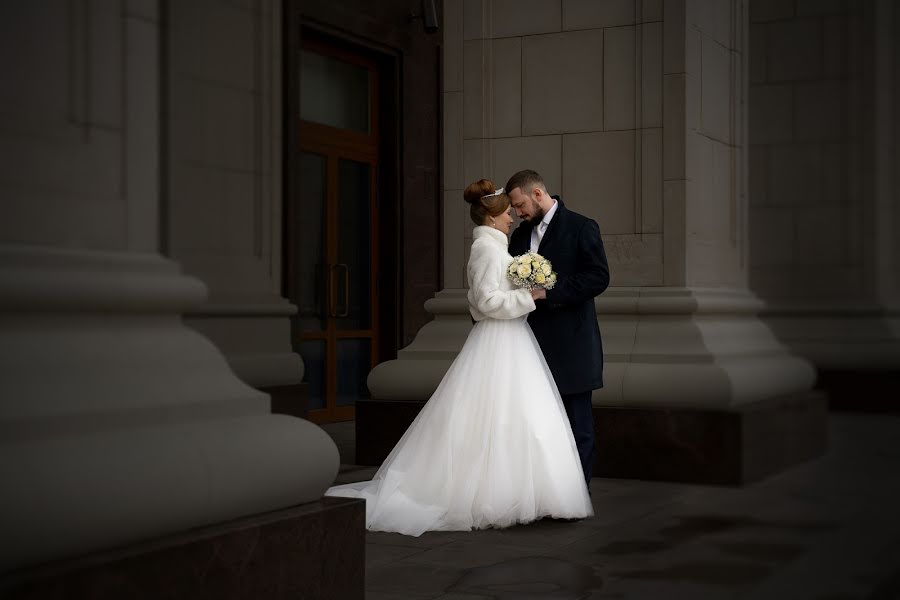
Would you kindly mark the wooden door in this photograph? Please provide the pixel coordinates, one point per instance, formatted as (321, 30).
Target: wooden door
(336, 328)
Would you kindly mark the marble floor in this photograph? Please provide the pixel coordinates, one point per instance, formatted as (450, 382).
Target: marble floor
(826, 530)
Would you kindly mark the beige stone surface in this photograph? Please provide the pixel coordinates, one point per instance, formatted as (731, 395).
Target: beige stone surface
(219, 130)
(540, 153)
(817, 110)
(634, 260)
(710, 208)
(651, 181)
(587, 14)
(819, 235)
(619, 73)
(213, 40)
(770, 10)
(711, 217)
(772, 113)
(673, 36)
(809, 8)
(794, 50)
(728, 25)
(835, 175)
(758, 175)
(713, 19)
(453, 254)
(652, 10)
(716, 97)
(476, 154)
(674, 126)
(674, 223)
(142, 160)
(506, 86)
(757, 52)
(651, 74)
(836, 46)
(693, 48)
(476, 89)
(795, 174)
(476, 15)
(453, 140)
(598, 177)
(771, 235)
(562, 82)
(524, 17)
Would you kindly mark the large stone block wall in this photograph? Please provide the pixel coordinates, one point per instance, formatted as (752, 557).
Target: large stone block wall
(628, 111)
(810, 210)
(574, 90)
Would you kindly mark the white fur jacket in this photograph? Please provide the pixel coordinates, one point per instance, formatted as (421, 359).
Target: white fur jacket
(491, 294)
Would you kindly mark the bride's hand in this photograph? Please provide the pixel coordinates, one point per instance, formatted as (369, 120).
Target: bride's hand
(539, 293)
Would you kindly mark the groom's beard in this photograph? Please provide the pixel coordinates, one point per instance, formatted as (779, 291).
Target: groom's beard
(538, 215)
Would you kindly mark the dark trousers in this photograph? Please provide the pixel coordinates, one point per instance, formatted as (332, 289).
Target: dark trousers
(581, 417)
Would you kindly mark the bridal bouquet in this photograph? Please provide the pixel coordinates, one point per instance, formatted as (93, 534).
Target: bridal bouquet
(531, 270)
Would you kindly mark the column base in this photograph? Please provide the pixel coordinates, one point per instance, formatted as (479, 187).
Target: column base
(315, 550)
(731, 447)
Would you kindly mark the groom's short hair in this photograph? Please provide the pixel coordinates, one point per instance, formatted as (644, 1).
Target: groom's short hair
(527, 180)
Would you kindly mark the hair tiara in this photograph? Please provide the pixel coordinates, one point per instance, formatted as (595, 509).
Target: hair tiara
(497, 193)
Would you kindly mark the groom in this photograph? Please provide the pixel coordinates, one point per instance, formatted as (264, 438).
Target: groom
(565, 323)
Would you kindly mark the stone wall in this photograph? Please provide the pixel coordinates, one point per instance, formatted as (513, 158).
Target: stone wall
(824, 210)
(583, 92)
(808, 216)
(574, 90)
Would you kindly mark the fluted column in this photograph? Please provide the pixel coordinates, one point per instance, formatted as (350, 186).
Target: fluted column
(120, 424)
(224, 177)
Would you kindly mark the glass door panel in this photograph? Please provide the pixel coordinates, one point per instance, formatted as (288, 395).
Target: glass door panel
(354, 361)
(315, 371)
(334, 92)
(311, 276)
(355, 244)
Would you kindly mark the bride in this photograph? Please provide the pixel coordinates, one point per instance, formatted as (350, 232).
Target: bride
(492, 446)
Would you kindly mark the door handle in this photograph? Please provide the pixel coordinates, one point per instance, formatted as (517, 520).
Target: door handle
(329, 290)
(346, 310)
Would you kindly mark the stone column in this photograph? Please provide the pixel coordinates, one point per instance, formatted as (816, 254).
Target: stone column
(824, 206)
(119, 423)
(635, 112)
(223, 224)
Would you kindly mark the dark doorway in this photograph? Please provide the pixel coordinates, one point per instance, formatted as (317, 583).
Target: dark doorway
(341, 246)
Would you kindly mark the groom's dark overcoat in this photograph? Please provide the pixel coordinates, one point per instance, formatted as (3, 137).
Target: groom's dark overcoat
(565, 324)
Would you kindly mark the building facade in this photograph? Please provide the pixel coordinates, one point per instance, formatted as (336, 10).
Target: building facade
(219, 208)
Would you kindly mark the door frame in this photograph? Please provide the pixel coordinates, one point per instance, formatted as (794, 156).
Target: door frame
(385, 132)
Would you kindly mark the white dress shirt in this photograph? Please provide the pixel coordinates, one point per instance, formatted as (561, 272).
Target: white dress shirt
(538, 232)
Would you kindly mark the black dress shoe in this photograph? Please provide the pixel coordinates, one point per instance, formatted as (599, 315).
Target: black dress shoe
(564, 520)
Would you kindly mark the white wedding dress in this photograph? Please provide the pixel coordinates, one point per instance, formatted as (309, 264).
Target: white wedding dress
(492, 446)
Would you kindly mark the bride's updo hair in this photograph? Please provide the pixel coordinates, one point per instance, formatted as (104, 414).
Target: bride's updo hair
(480, 207)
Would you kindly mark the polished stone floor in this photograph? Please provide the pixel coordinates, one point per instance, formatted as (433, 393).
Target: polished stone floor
(825, 530)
